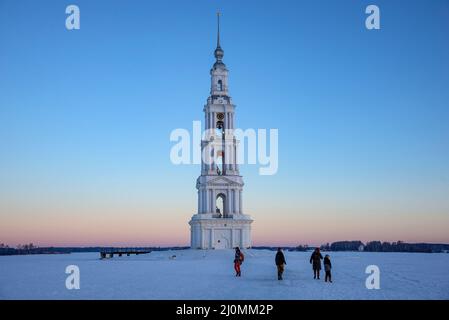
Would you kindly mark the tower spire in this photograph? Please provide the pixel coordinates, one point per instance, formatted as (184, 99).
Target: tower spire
(219, 53)
(218, 29)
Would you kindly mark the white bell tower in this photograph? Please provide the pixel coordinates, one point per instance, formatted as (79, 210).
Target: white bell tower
(220, 222)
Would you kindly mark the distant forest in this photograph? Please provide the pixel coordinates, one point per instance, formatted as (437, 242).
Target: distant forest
(32, 249)
(379, 246)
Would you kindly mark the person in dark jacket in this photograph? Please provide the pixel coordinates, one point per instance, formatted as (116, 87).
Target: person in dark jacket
(327, 268)
(280, 262)
(315, 260)
(238, 260)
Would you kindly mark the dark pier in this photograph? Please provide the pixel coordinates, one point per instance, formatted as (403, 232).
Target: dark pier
(122, 251)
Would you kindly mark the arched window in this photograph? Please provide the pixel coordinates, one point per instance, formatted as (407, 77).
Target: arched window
(220, 85)
(220, 205)
(219, 162)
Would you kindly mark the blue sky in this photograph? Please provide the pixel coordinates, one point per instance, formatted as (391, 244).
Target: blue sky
(85, 118)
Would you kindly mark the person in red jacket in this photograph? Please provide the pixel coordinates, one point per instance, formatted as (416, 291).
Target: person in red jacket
(238, 260)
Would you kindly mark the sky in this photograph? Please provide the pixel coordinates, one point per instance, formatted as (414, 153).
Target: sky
(86, 116)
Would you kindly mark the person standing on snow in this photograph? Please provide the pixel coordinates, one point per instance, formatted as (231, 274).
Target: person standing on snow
(238, 260)
(280, 262)
(327, 268)
(315, 260)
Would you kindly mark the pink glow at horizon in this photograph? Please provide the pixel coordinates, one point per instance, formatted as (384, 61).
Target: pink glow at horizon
(141, 227)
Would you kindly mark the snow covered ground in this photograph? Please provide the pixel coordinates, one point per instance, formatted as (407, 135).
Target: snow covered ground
(209, 275)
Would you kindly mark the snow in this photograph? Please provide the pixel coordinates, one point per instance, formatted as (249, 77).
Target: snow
(196, 274)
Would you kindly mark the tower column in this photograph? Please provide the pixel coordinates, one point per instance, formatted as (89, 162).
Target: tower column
(210, 120)
(206, 198)
(236, 166)
(232, 206)
(231, 156)
(204, 201)
(231, 162)
(236, 199)
(211, 207)
(240, 201)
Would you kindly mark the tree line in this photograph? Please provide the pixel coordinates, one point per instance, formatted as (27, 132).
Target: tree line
(379, 246)
(32, 249)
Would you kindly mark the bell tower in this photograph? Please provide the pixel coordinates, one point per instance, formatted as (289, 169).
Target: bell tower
(219, 222)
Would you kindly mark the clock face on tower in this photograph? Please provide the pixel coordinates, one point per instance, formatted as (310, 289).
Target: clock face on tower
(220, 116)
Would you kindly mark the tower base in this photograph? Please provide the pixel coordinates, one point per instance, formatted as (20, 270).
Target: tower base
(207, 232)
